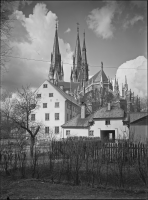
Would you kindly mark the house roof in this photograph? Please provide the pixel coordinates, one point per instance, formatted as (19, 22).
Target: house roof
(65, 95)
(78, 122)
(141, 121)
(102, 113)
(137, 115)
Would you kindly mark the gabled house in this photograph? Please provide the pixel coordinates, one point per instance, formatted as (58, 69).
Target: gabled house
(54, 108)
(138, 127)
(106, 123)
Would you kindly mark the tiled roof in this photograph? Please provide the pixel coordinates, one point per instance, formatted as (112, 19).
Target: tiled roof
(65, 95)
(78, 122)
(137, 115)
(103, 113)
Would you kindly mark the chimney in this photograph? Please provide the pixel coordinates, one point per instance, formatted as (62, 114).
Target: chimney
(108, 106)
(83, 111)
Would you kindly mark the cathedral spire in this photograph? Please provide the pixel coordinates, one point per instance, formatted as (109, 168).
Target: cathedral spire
(77, 54)
(55, 68)
(84, 61)
(56, 51)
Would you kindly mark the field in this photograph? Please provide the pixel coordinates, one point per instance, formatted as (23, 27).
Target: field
(44, 189)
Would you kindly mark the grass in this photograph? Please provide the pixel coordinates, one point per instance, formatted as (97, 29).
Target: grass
(41, 189)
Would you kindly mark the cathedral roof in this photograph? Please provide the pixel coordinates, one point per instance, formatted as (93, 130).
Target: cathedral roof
(97, 77)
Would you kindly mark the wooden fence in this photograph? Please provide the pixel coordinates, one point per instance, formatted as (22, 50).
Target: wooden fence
(97, 150)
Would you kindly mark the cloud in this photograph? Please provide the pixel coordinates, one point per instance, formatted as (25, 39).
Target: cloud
(136, 77)
(68, 30)
(101, 20)
(35, 43)
(132, 21)
(139, 4)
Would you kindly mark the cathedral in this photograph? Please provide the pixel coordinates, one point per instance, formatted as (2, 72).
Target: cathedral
(96, 91)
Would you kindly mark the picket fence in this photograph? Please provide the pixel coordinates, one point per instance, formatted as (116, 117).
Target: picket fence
(96, 150)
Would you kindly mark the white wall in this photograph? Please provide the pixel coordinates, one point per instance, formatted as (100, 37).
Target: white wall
(76, 132)
(40, 111)
(117, 125)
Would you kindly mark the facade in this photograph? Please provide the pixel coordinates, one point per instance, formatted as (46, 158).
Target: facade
(54, 108)
(106, 123)
(139, 127)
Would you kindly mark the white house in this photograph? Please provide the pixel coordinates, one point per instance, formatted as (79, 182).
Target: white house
(54, 108)
(106, 123)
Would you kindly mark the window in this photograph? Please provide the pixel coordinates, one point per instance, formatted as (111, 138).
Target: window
(56, 116)
(44, 105)
(107, 122)
(67, 105)
(56, 129)
(44, 85)
(67, 132)
(56, 104)
(32, 117)
(47, 129)
(91, 133)
(50, 94)
(46, 116)
(38, 95)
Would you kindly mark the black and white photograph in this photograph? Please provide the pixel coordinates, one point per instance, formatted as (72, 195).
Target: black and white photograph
(74, 104)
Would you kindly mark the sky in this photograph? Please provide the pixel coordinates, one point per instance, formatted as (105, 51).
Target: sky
(115, 32)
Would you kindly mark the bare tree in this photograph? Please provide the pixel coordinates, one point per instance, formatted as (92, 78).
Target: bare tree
(25, 103)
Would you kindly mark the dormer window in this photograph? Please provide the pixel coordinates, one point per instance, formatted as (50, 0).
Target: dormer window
(44, 85)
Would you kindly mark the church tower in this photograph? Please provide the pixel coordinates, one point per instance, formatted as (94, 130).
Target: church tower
(84, 66)
(56, 69)
(77, 59)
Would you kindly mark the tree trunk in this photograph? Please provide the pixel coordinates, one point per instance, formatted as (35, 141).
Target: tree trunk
(32, 146)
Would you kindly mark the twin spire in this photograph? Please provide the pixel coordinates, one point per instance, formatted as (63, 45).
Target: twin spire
(80, 67)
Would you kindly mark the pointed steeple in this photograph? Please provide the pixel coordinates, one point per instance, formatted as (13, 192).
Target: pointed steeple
(77, 55)
(55, 66)
(84, 66)
(56, 51)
